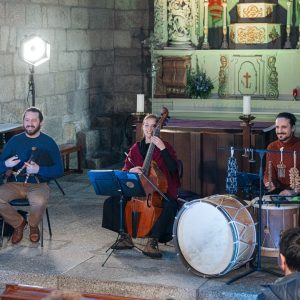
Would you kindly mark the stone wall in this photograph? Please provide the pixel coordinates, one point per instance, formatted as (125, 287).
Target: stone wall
(88, 88)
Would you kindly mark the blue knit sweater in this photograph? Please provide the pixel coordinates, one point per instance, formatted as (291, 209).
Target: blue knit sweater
(46, 155)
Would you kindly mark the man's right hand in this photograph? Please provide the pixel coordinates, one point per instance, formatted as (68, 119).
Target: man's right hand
(270, 186)
(12, 161)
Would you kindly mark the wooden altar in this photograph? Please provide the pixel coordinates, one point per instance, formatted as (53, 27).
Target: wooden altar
(203, 146)
(215, 38)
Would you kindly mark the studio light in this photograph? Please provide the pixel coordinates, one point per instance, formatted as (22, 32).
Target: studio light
(34, 51)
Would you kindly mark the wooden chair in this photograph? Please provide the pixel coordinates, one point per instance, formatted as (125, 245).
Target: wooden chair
(65, 151)
(185, 195)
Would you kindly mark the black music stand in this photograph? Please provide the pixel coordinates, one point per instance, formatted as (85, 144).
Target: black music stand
(258, 267)
(116, 183)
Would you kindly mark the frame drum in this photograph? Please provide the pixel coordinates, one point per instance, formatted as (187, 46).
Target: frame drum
(274, 220)
(214, 235)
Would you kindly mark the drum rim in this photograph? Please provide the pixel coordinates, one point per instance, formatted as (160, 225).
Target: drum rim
(283, 206)
(232, 263)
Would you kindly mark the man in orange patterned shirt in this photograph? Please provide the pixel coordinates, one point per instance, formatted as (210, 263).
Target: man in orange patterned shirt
(279, 163)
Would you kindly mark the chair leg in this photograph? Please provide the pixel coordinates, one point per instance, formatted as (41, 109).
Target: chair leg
(59, 186)
(48, 220)
(42, 233)
(42, 228)
(2, 233)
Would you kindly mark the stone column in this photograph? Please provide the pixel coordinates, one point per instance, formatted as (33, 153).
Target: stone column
(160, 23)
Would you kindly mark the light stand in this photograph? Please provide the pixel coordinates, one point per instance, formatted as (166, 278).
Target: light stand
(34, 51)
(31, 86)
(246, 125)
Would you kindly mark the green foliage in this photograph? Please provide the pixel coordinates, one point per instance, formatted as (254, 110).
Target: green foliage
(199, 85)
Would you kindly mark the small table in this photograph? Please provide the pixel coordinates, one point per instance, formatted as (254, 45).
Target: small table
(7, 130)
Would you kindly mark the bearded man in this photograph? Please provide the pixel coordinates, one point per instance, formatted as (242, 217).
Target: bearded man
(280, 158)
(28, 161)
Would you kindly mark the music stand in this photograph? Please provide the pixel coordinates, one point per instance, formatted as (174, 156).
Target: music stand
(258, 267)
(116, 183)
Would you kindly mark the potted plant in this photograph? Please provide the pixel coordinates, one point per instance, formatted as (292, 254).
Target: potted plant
(199, 85)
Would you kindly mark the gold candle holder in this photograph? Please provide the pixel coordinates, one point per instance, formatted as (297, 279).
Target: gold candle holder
(247, 118)
(139, 116)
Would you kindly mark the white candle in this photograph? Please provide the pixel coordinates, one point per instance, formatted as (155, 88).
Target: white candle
(247, 105)
(224, 13)
(140, 103)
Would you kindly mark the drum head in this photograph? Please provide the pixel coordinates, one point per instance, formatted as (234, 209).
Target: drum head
(204, 237)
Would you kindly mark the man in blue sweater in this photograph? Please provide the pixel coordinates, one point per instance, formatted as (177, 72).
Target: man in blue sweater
(29, 160)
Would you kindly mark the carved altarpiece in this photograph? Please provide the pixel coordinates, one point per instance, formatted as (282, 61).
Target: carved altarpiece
(248, 75)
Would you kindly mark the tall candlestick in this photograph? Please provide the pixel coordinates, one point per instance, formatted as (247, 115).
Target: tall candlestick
(140, 103)
(224, 42)
(205, 44)
(288, 18)
(287, 44)
(247, 105)
(298, 44)
(224, 13)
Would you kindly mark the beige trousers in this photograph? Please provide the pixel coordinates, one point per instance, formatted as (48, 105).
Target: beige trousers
(37, 195)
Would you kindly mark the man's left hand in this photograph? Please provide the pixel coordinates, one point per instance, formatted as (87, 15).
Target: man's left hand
(287, 193)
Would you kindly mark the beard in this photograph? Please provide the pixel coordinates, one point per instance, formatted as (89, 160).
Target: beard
(30, 130)
(283, 137)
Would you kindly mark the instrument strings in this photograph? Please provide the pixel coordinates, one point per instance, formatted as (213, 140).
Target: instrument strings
(147, 179)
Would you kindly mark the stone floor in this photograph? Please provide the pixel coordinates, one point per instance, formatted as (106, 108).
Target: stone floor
(73, 258)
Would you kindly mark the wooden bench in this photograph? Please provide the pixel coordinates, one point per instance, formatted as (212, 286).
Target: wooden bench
(65, 151)
(27, 292)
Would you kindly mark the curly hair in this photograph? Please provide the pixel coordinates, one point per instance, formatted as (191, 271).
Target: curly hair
(289, 247)
(288, 116)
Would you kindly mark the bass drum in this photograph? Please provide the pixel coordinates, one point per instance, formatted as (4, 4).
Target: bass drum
(214, 235)
(275, 219)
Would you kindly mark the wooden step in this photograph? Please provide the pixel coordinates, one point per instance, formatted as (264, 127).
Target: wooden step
(27, 292)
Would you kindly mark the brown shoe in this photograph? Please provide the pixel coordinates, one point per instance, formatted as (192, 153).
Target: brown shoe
(151, 249)
(125, 242)
(18, 233)
(34, 234)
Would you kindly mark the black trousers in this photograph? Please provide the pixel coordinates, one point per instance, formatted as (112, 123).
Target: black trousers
(162, 229)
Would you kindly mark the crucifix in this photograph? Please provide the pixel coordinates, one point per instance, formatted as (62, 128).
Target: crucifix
(247, 76)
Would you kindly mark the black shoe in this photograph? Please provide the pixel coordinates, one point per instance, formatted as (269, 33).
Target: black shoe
(151, 249)
(125, 242)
